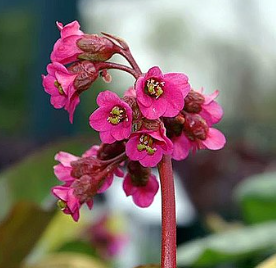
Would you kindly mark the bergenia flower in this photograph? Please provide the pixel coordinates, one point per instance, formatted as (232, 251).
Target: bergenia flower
(204, 105)
(141, 184)
(66, 49)
(161, 94)
(59, 83)
(148, 146)
(195, 134)
(113, 118)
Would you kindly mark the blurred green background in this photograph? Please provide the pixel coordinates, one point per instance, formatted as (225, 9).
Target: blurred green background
(219, 44)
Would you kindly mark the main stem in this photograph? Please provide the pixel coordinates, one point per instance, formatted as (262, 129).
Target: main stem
(168, 247)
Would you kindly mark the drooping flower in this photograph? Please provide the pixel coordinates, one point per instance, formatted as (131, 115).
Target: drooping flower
(59, 83)
(148, 146)
(161, 94)
(192, 134)
(65, 49)
(66, 84)
(112, 119)
(140, 184)
(85, 176)
(74, 45)
(205, 105)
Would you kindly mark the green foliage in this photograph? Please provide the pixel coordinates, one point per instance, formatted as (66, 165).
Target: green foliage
(230, 246)
(20, 231)
(257, 198)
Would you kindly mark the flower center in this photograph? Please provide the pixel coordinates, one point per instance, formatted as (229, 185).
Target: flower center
(146, 143)
(154, 88)
(117, 115)
(195, 127)
(59, 87)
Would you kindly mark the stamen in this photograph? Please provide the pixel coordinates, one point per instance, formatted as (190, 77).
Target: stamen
(146, 143)
(154, 88)
(117, 115)
(59, 87)
(61, 204)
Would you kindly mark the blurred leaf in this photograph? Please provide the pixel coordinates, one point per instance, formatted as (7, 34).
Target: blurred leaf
(227, 247)
(78, 247)
(32, 178)
(269, 263)
(20, 231)
(68, 260)
(257, 198)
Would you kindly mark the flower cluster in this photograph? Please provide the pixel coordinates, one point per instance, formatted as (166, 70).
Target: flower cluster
(159, 115)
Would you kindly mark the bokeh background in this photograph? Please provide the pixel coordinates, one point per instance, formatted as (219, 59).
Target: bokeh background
(225, 199)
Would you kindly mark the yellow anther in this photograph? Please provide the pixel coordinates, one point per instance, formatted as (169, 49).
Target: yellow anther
(59, 87)
(61, 204)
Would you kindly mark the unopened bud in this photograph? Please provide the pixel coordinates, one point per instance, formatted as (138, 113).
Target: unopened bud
(106, 76)
(96, 48)
(193, 102)
(87, 72)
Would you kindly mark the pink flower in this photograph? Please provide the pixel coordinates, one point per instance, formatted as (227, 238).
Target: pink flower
(66, 49)
(148, 146)
(210, 110)
(113, 118)
(59, 83)
(161, 94)
(196, 134)
(68, 202)
(142, 187)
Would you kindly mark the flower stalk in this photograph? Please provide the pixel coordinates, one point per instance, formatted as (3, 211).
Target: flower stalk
(168, 246)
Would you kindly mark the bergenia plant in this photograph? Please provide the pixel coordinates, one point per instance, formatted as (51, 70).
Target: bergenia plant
(159, 118)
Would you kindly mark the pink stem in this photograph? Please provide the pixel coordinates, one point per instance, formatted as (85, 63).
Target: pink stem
(127, 54)
(168, 247)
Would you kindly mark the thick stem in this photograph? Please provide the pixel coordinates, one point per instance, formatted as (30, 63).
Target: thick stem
(111, 65)
(168, 247)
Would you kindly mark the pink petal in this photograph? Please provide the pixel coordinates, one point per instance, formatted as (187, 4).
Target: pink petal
(181, 147)
(131, 149)
(157, 108)
(65, 158)
(58, 101)
(89, 204)
(175, 102)
(106, 137)
(215, 139)
(63, 173)
(119, 172)
(152, 160)
(128, 187)
(93, 151)
(61, 192)
(212, 113)
(107, 183)
(179, 81)
(154, 72)
(107, 98)
(72, 28)
(142, 97)
(71, 106)
(144, 196)
(99, 119)
(209, 98)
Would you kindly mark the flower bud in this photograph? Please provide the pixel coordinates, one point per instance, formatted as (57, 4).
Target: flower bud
(96, 48)
(87, 72)
(139, 174)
